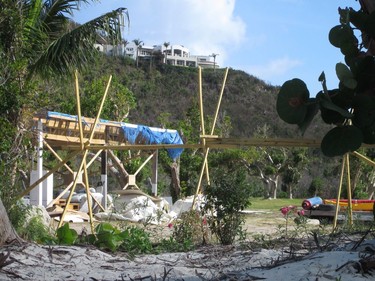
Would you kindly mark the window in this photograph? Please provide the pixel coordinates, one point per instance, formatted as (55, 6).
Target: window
(190, 63)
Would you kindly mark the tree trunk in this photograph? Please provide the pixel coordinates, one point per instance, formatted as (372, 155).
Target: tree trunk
(121, 174)
(274, 185)
(267, 189)
(290, 191)
(7, 232)
(175, 187)
(273, 191)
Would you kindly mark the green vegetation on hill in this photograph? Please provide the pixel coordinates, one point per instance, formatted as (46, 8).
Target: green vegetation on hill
(170, 91)
(167, 96)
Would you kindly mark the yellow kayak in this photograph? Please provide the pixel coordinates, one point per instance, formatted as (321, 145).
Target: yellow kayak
(357, 204)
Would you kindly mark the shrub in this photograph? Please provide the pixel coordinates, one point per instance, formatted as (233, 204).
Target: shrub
(132, 239)
(135, 241)
(66, 235)
(36, 231)
(228, 194)
(30, 225)
(190, 230)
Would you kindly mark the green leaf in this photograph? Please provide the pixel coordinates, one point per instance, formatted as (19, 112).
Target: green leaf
(75, 48)
(345, 76)
(322, 77)
(331, 117)
(106, 227)
(108, 240)
(334, 106)
(66, 235)
(349, 49)
(91, 239)
(291, 101)
(327, 104)
(341, 140)
(312, 110)
(341, 34)
(358, 18)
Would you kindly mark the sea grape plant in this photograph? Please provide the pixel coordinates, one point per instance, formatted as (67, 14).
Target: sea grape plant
(351, 106)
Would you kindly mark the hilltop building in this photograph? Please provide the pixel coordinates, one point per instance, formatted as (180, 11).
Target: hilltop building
(173, 54)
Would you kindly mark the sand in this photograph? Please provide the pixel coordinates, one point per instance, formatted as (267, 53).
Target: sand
(342, 262)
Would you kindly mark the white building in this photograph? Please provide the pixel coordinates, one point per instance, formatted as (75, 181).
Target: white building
(173, 55)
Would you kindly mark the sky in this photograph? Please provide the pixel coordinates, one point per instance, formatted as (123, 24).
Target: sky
(274, 40)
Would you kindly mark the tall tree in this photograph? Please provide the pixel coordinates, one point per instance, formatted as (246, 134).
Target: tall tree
(293, 168)
(267, 163)
(166, 45)
(138, 43)
(38, 40)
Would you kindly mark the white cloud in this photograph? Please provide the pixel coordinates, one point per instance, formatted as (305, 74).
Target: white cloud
(203, 26)
(277, 67)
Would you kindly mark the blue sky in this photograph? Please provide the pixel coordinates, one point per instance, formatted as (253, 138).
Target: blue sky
(274, 40)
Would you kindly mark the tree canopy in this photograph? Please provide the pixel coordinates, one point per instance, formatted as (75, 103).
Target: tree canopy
(39, 40)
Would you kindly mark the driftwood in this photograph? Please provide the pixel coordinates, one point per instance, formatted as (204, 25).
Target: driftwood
(7, 232)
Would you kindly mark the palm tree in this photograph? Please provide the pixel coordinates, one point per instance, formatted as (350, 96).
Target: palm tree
(166, 45)
(39, 40)
(137, 43)
(214, 56)
(51, 42)
(125, 43)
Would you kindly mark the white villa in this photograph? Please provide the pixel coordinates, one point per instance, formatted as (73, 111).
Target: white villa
(173, 54)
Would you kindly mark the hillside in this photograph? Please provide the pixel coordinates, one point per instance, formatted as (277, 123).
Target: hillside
(247, 100)
(173, 92)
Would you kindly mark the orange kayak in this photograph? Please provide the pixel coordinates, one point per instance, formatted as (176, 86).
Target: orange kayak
(357, 204)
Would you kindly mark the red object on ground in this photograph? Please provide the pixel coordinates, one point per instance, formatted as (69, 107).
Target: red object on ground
(309, 203)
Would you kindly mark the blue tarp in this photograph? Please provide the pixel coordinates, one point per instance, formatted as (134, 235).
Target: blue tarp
(140, 134)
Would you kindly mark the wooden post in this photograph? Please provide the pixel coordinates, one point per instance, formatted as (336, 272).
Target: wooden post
(339, 193)
(84, 148)
(104, 177)
(203, 133)
(207, 150)
(350, 208)
(154, 176)
(51, 171)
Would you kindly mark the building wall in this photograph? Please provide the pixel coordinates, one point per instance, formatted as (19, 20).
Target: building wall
(174, 55)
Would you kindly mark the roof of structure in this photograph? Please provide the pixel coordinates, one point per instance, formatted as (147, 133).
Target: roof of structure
(61, 129)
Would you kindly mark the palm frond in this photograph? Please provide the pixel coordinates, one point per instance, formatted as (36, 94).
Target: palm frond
(75, 48)
(55, 14)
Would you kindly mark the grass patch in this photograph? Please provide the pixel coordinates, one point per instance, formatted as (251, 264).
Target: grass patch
(272, 204)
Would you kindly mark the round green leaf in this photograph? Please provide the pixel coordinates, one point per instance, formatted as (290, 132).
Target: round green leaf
(349, 49)
(341, 140)
(334, 109)
(340, 34)
(331, 117)
(291, 101)
(312, 110)
(345, 76)
(327, 104)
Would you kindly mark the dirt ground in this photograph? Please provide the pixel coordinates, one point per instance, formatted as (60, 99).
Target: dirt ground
(257, 222)
(263, 222)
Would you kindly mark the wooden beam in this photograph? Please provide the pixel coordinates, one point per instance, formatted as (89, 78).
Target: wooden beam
(69, 139)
